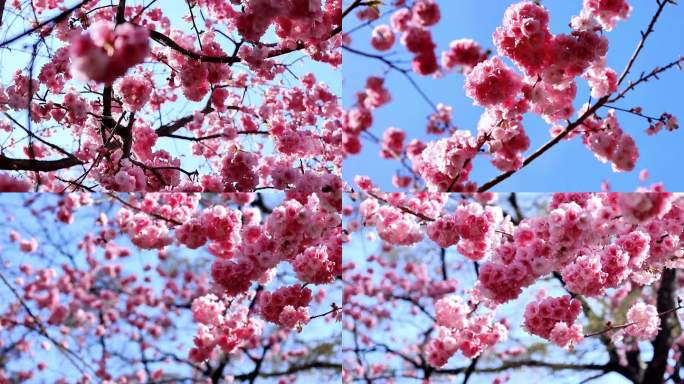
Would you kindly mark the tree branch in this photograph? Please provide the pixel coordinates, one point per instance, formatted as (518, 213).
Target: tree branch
(12, 164)
(663, 342)
(644, 36)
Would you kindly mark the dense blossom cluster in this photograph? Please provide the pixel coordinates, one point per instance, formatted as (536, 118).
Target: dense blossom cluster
(543, 82)
(470, 228)
(465, 53)
(608, 12)
(9, 183)
(106, 51)
(287, 306)
(574, 240)
(609, 143)
(553, 318)
(644, 321)
(595, 245)
(396, 226)
(446, 162)
(382, 37)
(460, 331)
(491, 83)
(295, 20)
(290, 231)
(220, 327)
(157, 106)
(316, 266)
(135, 92)
(101, 292)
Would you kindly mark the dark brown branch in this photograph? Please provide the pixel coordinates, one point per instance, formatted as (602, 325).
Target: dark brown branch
(526, 363)
(335, 308)
(314, 365)
(644, 36)
(2, 10)
(168, 129)
(548, 145)
(401, 208)
(442, 258)
(469, 371)
(121, 12)
(126, 134)
(663, 342)
(646, 77)
(513, 200)
(12, 164)
(167, 41)
(403, 71)
(416, 304)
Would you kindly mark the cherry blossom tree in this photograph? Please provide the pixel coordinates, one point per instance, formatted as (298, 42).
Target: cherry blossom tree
(204, 95)
(169, 288)
(513, 287)
(527, 70)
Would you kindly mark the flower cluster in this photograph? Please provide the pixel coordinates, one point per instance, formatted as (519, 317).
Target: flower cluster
(9, 183)
(524, 36)
(552, 318)
(446, 163)
(316, 266)
(218, 224)
(306, 235)
(465, 53)
(457, 331)
(219, 327)
(471, 227)
(608, 12)
(645, 321)
(134, 91)
(643, 206)
(394, 226)
(606, 245)
(550, 65)
(492, 83)
(392, 143)
(382, 37)
(287, 306)
(105, 52)
(413, 24)
(609, 143)
(589, 272)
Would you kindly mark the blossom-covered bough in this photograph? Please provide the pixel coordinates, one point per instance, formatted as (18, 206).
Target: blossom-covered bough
(206, 95)
(169, 288)
(544, 83)
(451, 287)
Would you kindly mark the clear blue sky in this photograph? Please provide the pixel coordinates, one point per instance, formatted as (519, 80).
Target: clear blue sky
(567, 167)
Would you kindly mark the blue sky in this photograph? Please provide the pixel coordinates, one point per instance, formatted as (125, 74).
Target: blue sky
(567, 167)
